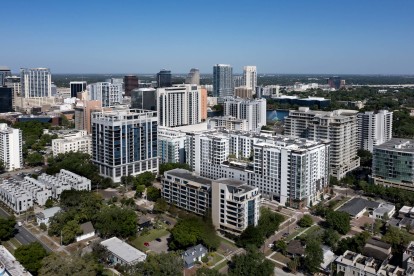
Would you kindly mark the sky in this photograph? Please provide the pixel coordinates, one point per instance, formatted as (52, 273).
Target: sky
(278, 36)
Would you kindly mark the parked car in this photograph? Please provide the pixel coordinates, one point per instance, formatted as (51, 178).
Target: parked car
(158, 239)
(271, 245)
(285, 235)
(146, 244)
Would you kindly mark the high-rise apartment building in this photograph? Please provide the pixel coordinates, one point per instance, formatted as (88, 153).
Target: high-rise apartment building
(144, 98)
(392, 164)
(108, 93)
(130, 83)
(179, 105)
(374, 128)
(83, 113)
(238, 81)
(243, 92)
(222, 80)
(4, 73)
(204, 104)
(11, 147)
(36, 82)
(254, 111)
(336, 82)
(339, 126)
(76, 87)
(292, 171)
(235, 205)
(13, 82)
(124, 142)
(193, 77)
(250, 77)
(171, 145)
(164, 78)
(6, 99)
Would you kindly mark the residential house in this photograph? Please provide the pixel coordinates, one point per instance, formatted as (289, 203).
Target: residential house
(45, 215)
(193, 254)
(122, 253)
(87, 231)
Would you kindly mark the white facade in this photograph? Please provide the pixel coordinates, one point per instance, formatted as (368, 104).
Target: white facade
(171, 145)
(374, 129)
(45, 215)
(15, 196)
(339, 126)
(77, 144)
(254, 111)
(122, 253)
(235, 205)
(179, 105)
(292, 171)
(124, 142)
(11, 147)
(250, 77)
(109, 94)
(228, 122)
(36, 82)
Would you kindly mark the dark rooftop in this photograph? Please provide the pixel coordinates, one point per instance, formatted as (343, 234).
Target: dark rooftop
(189, 176)
(356, 205)
(295, 247)
(87, 227)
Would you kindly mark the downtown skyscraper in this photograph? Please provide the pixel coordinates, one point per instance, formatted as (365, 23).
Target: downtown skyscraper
(222, 80)
(36, 82)
(250, 77)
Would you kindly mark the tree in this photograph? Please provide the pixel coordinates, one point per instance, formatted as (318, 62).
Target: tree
(145, 178)
(398, 238)
(55, 264)
(354, 244)
(7, 229)
(365, 158)
(70, 231)
(140, 189)
(313, 255)
(251, 236)
(153, 193)
(161, 205)
(34, 159)
(2, 166)
(269, 222)
(43, 226)
(30, 256)
(49, 203)
(305, 221)
(168, 264)
(204, 271)
(293, 264)
(281, 246)
(191, 231)
(115, 221)
(339, 221)
(330, 237)
(250, 263)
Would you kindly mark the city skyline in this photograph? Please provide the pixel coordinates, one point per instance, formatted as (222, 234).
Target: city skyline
(301, 37)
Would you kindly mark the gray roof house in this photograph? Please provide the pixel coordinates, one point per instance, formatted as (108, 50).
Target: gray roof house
(45, 215)
(356, 207)
(87, 231)
(122, 253)
(193, 254)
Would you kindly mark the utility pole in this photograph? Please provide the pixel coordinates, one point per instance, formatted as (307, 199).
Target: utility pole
(61, 238)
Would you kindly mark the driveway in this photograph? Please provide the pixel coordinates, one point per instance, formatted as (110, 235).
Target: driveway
(161, 246)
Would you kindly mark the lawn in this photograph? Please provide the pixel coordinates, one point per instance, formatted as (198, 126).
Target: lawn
(8, 246)
(214, 259)
(15, 242)
(220, 266)
(311, 230)
(149, 237)
(280, 258)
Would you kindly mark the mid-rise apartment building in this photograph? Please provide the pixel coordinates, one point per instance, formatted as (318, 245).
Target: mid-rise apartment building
(124, 142)
(250, 77)
(109, 94)
(71, 140)
(179, 105)
(234, 205)
(187, 190)
(292, 171)
(228, 122)
(374, 128)
(11, 147)
(36, 82)
(393, 164)
(339, 126)
(253, 111)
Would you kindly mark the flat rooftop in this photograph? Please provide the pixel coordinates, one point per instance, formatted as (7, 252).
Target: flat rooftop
(398, 144)
(190, 176)
(356, 205)
(123, 250)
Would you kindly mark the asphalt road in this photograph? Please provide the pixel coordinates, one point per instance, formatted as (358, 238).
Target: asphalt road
(23, 235)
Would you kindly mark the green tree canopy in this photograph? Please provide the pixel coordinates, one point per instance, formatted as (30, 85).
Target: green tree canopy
(305, 221)
(170, 166)
(30, 256)
(145, 178)
(313, 255)
(204, 271)
(164, 264)
(339, 221)
(34, 159)
(115, 221)
(153, 193)
(7, 229)
(58, 265)
(250, 263)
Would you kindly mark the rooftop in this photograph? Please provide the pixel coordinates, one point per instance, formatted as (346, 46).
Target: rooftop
(398, 144)
(189, 176)
(193, 252)
(356, 205)
(48, 213)
(87, 227)
(123, 250)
